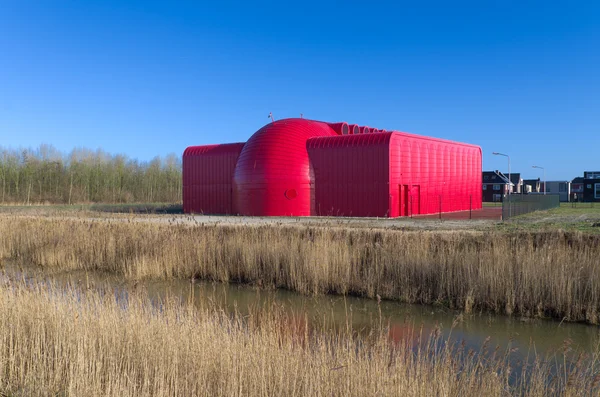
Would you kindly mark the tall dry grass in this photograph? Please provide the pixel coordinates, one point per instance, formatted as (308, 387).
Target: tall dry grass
(70, 342)
(554, 274)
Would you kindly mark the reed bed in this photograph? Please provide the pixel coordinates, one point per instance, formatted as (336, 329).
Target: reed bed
(547, 274)
(71, 342)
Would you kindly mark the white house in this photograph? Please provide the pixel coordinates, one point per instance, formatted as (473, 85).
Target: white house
(562, 188)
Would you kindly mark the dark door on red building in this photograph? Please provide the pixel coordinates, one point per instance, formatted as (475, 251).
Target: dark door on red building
(415, 200)
(404, 200)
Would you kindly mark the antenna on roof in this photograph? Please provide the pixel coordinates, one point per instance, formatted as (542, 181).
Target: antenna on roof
(301, 116)
(271, 117)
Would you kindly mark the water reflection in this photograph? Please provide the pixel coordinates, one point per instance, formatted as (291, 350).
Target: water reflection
(523, 336)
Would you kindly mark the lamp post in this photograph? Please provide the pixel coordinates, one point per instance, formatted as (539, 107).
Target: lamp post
(537, 166)
(509, 181)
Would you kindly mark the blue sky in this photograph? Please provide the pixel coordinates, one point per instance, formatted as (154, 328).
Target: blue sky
(149, 78)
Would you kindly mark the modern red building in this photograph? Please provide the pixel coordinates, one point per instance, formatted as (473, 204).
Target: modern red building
(300, 167)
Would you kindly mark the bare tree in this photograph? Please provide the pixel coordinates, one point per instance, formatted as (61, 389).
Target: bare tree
(86, 176)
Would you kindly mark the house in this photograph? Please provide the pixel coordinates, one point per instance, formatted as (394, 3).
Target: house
(517, 183)
(531, 185)
(562, 188)
(577, 189)
(591, 186)
(495, 185)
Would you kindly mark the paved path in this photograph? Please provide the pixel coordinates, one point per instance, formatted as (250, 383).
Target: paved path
(450, 221)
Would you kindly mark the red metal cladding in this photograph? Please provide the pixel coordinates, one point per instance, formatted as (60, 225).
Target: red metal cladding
(208, 178)
(340, 128)
(351, 174)
(394, 174)
(273, 176)
(354, 129)
(303, 167)
(429, 175)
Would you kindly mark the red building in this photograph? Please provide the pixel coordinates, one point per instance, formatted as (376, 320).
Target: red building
(299, 167)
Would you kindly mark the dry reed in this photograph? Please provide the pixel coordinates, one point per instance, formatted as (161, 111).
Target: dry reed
(547, 274)
(86, 343)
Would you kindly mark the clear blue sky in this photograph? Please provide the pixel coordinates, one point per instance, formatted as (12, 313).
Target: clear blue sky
(145, 78)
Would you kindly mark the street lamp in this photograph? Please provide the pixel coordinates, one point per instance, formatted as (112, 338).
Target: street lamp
(509, 181)
(537, 166)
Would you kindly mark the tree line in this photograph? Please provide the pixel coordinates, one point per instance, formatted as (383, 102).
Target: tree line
(46, 175)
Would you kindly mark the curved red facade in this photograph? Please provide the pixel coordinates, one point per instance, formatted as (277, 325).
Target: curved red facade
(339, 128)
(273, 175)
(300, 167)
(354, 129)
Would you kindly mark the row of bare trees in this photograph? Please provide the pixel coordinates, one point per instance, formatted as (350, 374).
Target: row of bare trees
(45, 175)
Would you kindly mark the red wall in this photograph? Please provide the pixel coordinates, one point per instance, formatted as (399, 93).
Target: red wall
(303, 167)
(208, 176)
(273, 176)
(426, 173)
(351, 174)
(393, 174)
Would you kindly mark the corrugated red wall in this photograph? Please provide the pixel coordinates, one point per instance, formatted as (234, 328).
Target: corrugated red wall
(351, 174)
(303, 167)
(428, 175)
(394, 174)
(273, 176)
(208, 178)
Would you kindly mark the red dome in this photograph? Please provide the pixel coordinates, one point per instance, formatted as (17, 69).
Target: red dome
(273, 175)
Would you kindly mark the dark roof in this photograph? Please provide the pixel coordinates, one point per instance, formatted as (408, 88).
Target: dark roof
(494, 177)
(515, 178)
(530, 181)
(579, 179)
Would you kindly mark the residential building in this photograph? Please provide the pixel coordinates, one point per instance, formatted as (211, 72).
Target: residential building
(531, 185)
(495, 185)
(517, 183)
(562, 188)
(577, 189)
(591, 186)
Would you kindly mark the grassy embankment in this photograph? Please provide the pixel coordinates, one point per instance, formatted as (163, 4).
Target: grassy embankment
(580, 217)
(85, 343)
(550, 274)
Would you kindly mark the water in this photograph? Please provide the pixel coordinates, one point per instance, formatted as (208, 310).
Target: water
(524, 336)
